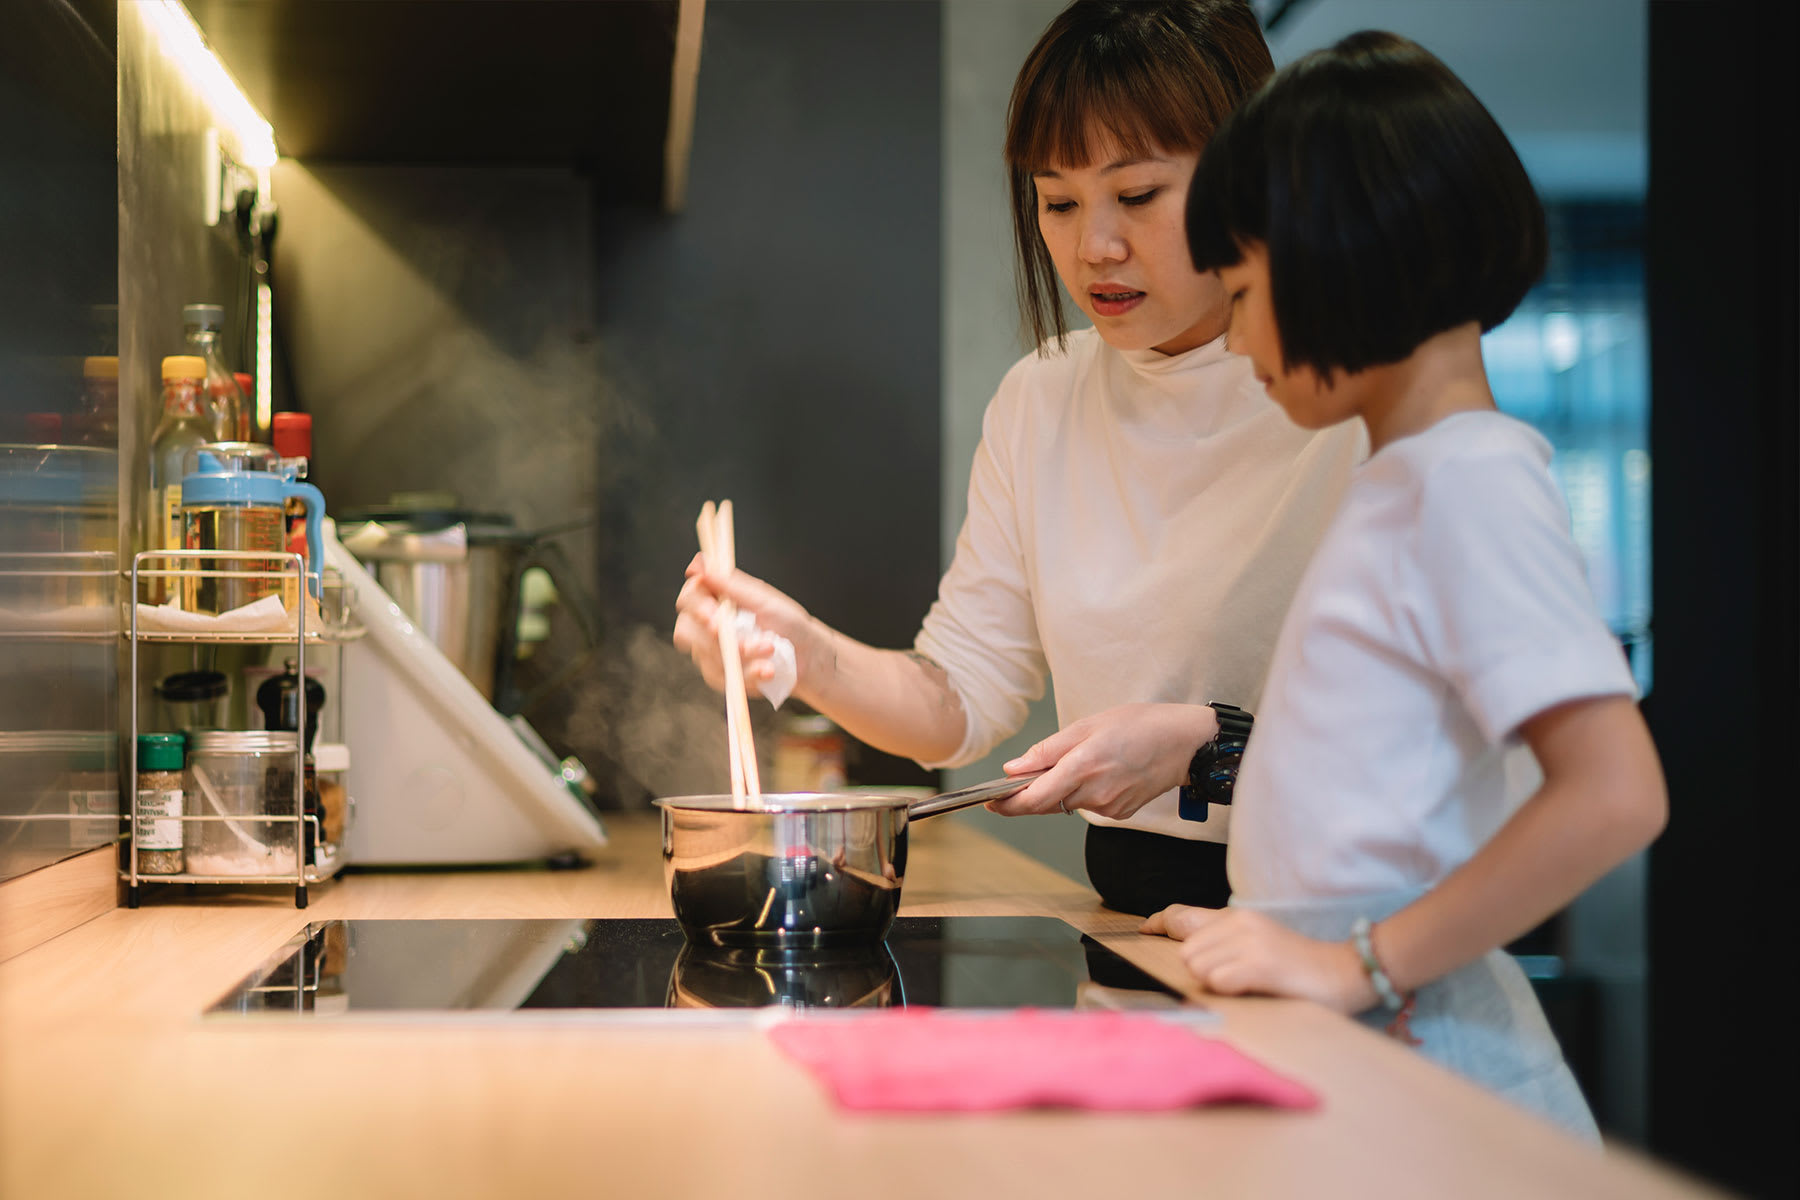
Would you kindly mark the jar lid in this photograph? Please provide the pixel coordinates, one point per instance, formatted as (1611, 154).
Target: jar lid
(204, 316)
(331, 756)
(190, 686)
(183, 366)
(242, 741)
(160, 751)
(100, 366)
(213, 482)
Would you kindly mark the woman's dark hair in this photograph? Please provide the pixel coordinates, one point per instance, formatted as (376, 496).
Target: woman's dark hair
(1390, 204)
(1152, 73)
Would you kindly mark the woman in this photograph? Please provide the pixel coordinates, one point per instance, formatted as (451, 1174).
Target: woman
(1139, 511)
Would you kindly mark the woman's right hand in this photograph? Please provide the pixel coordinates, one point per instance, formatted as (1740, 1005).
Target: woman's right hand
(697, 630)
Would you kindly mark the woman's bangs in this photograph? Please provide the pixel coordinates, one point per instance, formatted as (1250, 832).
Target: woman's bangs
(1056, 127)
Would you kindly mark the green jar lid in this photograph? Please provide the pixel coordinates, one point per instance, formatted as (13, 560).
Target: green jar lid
(160, 751)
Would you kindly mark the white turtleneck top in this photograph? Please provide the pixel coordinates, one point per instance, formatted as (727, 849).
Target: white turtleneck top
(1137, 525)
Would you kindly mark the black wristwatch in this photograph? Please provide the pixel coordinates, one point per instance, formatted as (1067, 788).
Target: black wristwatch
(1213, 772)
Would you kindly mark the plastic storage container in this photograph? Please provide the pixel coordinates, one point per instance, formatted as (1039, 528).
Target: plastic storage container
(244, 778)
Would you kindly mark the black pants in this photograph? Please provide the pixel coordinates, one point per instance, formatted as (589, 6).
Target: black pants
(1141, 873)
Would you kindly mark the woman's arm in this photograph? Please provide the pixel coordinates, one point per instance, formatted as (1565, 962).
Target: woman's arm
(1602, 800)
(894, 700)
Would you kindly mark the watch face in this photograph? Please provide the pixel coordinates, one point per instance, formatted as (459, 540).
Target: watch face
(1190, 804)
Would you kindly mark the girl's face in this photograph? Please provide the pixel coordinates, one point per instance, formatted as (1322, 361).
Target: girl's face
(1116, 230)
(1309, 400)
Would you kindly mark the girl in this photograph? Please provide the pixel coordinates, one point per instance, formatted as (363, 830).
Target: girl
(1139, 512)
(1369, 221)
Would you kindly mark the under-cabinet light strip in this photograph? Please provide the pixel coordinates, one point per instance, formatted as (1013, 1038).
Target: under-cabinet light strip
(181, 39)
(265, 358)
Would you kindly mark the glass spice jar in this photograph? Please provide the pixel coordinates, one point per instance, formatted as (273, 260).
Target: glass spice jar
(156, 833)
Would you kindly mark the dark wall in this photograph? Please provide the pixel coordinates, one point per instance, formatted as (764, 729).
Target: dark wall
(500, 334)
(1725, 439)
(781, 335)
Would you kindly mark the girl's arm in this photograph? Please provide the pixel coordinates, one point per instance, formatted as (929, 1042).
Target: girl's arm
(1602, 800)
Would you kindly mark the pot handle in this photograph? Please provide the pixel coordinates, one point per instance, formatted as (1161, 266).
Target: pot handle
(981, 793)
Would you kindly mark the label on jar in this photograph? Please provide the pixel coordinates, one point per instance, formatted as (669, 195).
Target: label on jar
(154, 830)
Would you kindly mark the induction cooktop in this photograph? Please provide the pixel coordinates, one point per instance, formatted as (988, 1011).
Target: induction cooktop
(639, 965)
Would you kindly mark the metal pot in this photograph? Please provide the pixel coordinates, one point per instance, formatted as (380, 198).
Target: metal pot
(707, 976)
(801, 871)
(456, 574)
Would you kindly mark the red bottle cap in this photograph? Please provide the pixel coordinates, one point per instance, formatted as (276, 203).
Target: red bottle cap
(291, 434)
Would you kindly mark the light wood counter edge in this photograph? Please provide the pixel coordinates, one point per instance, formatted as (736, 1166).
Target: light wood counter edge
(41, 904)
(103, 1022)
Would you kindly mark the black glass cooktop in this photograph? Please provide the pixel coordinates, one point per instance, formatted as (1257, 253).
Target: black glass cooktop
(337, 967)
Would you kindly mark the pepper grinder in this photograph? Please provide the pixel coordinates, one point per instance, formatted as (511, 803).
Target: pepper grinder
(279, 700)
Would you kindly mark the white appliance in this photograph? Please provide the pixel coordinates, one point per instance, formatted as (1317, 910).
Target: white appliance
(440, 777)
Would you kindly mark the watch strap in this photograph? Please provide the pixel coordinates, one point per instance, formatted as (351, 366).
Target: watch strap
(1212, 773)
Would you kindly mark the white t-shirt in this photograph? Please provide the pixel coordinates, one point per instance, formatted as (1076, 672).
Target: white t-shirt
(1137, 525)
(1446, 606)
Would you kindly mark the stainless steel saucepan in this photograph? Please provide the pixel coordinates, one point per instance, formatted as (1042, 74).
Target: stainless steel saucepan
(797, 871)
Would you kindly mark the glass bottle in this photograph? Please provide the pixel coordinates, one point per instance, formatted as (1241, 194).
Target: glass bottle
(184, 425)
(226, 405)
(96, 422)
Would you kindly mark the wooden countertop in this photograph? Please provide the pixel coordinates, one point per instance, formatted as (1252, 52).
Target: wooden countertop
(112, 1085)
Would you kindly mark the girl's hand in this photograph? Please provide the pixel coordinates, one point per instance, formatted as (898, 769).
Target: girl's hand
(1112, 763)
(1234, 951)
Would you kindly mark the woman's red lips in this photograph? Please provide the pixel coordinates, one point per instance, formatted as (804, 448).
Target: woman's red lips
(1113, 299)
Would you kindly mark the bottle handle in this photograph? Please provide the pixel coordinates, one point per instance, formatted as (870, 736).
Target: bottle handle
(314, 500)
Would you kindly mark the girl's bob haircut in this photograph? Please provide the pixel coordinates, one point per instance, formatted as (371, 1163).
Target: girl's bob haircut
(1390, 204)
(1149, 74)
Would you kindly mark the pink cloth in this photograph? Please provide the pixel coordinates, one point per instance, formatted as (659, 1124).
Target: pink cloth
(923, 1060)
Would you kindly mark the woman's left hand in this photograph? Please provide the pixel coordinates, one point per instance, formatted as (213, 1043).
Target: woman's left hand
(1233, 951)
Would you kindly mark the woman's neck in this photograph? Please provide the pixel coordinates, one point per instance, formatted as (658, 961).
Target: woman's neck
(1444, 375)
(1208, 328)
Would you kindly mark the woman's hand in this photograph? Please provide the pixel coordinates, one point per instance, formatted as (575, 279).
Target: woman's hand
(1112, 763)
(697, 625)
(1233, 951)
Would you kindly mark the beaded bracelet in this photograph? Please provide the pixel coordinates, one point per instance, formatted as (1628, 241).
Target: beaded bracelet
(1365, 950)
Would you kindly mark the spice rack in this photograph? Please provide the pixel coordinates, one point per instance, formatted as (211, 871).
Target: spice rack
(179, 565)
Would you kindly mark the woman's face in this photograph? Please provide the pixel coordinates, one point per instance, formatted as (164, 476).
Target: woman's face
(1116, 230)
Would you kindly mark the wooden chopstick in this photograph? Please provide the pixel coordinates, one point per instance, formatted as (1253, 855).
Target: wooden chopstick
(724, 527)
(706, 528)
(717, 547)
